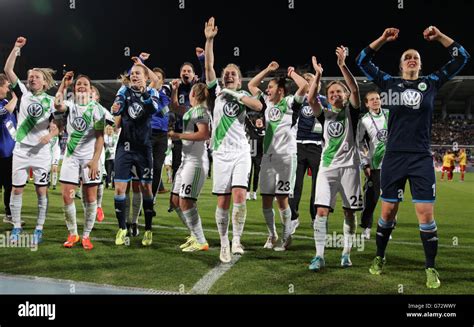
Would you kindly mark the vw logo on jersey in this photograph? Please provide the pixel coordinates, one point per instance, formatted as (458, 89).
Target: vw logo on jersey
(382, 135)
(79, 124)
(135, 110)
(231, 109)
(35, 110)
(412, 98)
(307, 112)
(274, 114)
(335, 129)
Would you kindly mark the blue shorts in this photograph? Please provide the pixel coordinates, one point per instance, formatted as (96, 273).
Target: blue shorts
(125, 160)
(417, 168)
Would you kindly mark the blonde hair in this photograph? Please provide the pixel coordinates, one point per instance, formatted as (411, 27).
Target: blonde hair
(236, 68)
(125, 77)
(200, 92)
(344, 87)
(47, 75)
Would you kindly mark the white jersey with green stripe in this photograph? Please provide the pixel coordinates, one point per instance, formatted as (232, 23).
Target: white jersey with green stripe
(82, 122)
(194, 150)
(33, 116)
(228, 121)
(373, 130)
(280, 133)
(340, 148)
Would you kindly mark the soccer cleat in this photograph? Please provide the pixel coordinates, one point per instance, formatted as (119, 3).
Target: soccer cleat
(121, 237)
(37, 237)
(100, 214)
(87, 244)
(346, 261)
(366, 234)
(189, 241)
(237, 248)
(294, 225)
(147, 238)
(225, 255)
(271, 242)
(197, 247)
(254, 196)
(377, 266)
(135, 231)
(317, 263)
(71, 240)
(432, 278)
(285, 244)
(15, 235)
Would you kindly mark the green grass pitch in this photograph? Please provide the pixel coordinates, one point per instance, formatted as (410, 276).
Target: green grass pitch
(164, 267)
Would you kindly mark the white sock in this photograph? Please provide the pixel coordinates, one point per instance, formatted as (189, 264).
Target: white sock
(194, 223)
(16, 202)
(349, 229)
(239, 213)
(222, 220)
(127, 207)
(136, 206)
(89, 218)
(70, 217)
(42, 210)
(55, 178)
(269, 215)
(100, 194)
(285, 216)
(184, 220)
(320, 230)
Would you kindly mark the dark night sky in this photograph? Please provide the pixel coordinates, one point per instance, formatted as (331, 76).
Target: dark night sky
(91, 39)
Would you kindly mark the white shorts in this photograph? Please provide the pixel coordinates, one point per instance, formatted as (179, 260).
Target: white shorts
(74, 170)
(189, 181)
(56, 155)
(38, 158)
(277, 174)
(345, 180)
(230, 170)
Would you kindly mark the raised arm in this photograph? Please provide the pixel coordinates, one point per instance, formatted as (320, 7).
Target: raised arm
(10, 106)
(210, 31)
(201, 57)
(313, 89)
(255, 82)
(299, 80)
(10, 63)
(175, 106)
(65, 84)
(348, 77)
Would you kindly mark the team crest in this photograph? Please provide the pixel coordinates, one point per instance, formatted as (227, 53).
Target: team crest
(422, 86)
(79, 124)
(307, 112)
(382, 135)
(35, 110)
(335, 129)
(275, 114)
(135, 110)
(412, 98)
(231, 109)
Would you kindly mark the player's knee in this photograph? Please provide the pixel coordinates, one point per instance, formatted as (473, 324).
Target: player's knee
(322, 212)
(17, 190)
(185, 204)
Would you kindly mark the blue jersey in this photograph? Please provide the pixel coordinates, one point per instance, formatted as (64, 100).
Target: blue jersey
(6, 142)
(309, 128)
(160, 119)
(411, 103)
(136, 110)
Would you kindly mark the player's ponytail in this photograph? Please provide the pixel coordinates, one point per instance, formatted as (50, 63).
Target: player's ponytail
(201, 93)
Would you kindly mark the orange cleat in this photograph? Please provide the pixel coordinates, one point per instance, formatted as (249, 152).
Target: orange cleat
(86, 243)
(100, 214)
(71, 240)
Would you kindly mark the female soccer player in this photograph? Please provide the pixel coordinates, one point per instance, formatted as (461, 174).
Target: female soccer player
(231, 150)
(192, 173)
(32, 148)
(339, 167)
(277, 172)
(135, 103)
(85, 128)
(411, 105)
